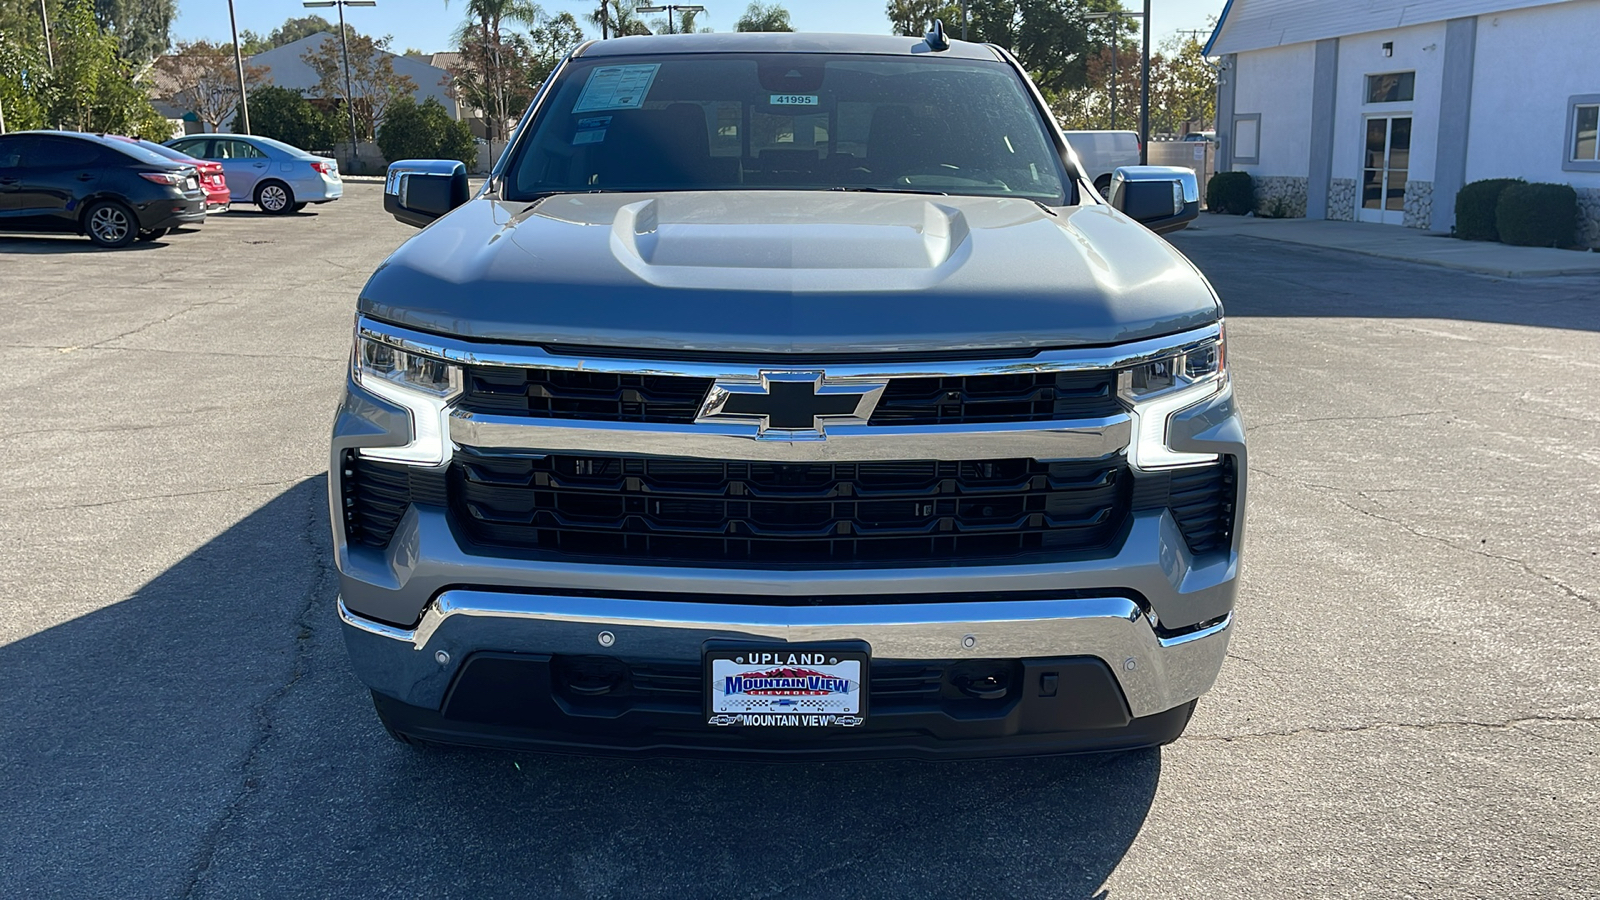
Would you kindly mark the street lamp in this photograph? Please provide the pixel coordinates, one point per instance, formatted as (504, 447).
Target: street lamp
(344, 48)
(1116, 16)
(238, 61)
(669, 9)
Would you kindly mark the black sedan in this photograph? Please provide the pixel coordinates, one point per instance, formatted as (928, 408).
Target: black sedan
(112, 191)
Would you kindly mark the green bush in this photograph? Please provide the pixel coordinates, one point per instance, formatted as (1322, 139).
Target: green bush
(425, 131)
(284, 115)
(1538, 215)
(1233, 193)
(1475, 208)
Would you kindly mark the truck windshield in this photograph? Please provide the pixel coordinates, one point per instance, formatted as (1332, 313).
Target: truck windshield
(782, 121)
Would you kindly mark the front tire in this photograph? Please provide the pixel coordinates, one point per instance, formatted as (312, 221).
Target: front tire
(300, 206)
(1102, 185)
(153, 234)
(275, 198)
(110, 224)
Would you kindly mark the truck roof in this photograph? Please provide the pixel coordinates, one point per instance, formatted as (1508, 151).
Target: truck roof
(780, 42)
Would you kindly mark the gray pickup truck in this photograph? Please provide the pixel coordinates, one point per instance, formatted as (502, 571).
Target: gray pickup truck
(788, 395)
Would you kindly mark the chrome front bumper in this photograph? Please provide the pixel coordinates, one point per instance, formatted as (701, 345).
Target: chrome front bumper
(417, 665)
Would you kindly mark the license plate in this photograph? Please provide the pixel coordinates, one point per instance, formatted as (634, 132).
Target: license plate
(786, 687)
(191, 184)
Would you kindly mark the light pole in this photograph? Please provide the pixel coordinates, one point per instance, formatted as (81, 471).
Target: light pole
(344, 47)
(669, 9)
(1116, 16)
(238, 61)
(44, 17)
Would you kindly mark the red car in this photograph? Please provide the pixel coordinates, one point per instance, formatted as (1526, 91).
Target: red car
(211, 179)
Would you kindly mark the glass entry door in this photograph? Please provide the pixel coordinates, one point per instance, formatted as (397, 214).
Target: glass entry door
(1385, 165)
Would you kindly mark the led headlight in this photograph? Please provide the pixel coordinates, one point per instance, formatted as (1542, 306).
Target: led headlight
(421, 384)
(1156, 389)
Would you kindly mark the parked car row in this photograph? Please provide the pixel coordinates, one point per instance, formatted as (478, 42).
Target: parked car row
(116, 190)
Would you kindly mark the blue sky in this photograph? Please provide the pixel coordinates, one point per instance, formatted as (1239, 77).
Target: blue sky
(426, 24)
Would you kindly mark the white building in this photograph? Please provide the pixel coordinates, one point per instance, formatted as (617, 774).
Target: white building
(1379, 111)
(287, 68)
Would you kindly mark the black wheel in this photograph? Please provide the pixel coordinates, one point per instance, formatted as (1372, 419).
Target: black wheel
(1102, 184)
(300, 206)
(153, 234)
(275, 197)
(110, 224)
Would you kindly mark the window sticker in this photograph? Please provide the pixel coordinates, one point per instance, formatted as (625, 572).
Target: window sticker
(592, 136)
(594, 122)
(617, 87)
(793, 100)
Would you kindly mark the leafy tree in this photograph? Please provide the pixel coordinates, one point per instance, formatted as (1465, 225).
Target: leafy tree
(493, 57)
(1183, 86)
(201, 77)
(142, 27)
(425, 131)
(283, 114)
(549, 44)
(764, 17)
(375, 85)
(24, 80)
(91, 88)
(913, 18)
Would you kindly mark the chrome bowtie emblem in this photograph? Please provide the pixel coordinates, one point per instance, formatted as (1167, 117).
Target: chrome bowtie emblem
(791, 405)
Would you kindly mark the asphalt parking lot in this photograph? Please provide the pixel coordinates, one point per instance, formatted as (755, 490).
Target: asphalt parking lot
(1411, 706)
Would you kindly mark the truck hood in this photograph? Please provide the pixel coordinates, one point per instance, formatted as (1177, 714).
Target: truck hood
(789, 272)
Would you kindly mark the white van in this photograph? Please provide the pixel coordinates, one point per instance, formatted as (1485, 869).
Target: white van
(1101, 152)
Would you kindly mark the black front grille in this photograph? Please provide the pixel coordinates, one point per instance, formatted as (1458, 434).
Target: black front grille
(1202, 500)
(971, 399)
(596, 396)
(891, 682)
(375, 496)
(669, 399)
(662, 509)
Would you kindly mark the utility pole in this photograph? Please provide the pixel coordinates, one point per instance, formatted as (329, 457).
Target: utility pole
(1116, 17)
(238, 62)
(1144, 94)
(344, 47)
(49, 54)
(964, 19)
(669, 9)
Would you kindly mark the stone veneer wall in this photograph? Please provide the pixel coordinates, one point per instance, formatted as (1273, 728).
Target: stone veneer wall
(1286, 190)
(1342, 199)
(1419, 204)
(1589, 217)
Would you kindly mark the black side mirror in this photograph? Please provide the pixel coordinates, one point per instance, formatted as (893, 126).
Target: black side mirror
(1161, 198)
(417, 191)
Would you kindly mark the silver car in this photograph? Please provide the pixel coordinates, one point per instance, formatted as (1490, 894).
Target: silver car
(275, 176)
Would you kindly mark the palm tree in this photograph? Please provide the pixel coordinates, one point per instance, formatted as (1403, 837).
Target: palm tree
(485, 22)
(764, 17)
(616, 19)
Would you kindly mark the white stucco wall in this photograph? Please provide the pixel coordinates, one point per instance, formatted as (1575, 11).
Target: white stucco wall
(1276, 83)
(1419, 49)
(1528, 63)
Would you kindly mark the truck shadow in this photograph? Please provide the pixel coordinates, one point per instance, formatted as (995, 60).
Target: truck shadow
(205, 737)
(1258, 277)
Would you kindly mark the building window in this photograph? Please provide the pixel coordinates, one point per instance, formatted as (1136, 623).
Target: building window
(1247, 139)
(1582, 152)
(1391, 87)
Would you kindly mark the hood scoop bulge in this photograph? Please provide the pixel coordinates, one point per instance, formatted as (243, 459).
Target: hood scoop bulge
(859, 243)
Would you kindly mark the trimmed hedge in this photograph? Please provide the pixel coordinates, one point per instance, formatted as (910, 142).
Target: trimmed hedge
(1538, 215)
(424, 131)
(1233, 193)
(1476, 208)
